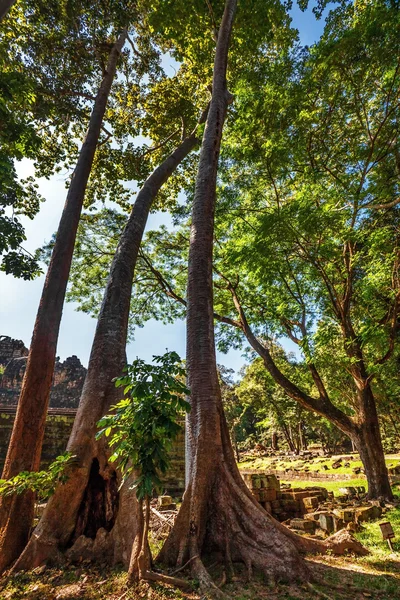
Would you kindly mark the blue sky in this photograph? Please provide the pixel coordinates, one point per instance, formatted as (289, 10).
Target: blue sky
(19, 299)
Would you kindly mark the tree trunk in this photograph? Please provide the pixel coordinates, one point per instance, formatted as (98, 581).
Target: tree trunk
(16, 513)
(140, 562)
(286, 432)
(5, 6)
(302, 437)
(218, 512)
(367, 439)
(59, 521)
(274, 441)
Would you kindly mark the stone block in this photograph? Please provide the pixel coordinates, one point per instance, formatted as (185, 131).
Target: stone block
(255, 482)
(267, 495)
(348, 491)
(345, 514)
(326, 522)
(165, 503)
(303, 525)
(310, 503)
(367, 513)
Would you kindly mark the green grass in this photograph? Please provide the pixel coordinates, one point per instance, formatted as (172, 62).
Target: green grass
(331, 486)
(315, 465)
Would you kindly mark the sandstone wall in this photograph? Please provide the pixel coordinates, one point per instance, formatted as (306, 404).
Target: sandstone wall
(58, 428)
(67, 381)
(67, 385)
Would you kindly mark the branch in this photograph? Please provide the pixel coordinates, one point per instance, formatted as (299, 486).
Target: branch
(169, 291)
(322, 406)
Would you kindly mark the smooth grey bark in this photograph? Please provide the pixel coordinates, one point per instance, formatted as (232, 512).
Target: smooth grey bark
(107, 359)
(16, 513)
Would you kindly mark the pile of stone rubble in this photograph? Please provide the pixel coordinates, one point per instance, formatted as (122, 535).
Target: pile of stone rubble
(313, 510)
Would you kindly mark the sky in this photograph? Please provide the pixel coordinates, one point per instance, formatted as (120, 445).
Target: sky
(19, 299)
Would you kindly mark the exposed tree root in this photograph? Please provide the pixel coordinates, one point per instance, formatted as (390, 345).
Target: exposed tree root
(237, 529)
(224, 518)
(177, 582)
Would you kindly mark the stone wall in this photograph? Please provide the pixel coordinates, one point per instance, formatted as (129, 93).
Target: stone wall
(58, 427)
(67, 385)
(67, 381)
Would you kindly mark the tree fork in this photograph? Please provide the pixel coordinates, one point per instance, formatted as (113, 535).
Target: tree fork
(24, 451)
(106, 361)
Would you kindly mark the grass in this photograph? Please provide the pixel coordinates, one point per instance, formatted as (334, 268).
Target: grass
(313, 466)
(376, 576)
(331, 486)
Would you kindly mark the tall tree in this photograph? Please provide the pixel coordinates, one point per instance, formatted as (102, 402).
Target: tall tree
(218, 512)
(26, 440)
(307, 223)
(68, 513)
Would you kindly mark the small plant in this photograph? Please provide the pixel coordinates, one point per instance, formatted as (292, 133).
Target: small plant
(43, 483)
(141, 431)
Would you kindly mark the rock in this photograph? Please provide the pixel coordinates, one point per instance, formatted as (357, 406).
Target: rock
(368, 513)
(348, 491)
(354, 527)
(356, 470)
(327, 522)
(310, 503)
(166, 503)
(337, 463)
(267, 495)
(346, 514)
(342, 542)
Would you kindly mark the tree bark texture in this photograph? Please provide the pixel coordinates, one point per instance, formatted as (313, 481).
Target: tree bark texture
(218, 513)
(368, 441)
(24, 451)
(5, 6)
(56, 528)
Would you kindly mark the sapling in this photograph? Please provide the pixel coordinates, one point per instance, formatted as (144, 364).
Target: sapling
(141, 430)
(41, 483)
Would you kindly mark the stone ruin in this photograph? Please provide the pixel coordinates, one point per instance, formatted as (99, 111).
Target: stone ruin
(313, 510)
(67, 381)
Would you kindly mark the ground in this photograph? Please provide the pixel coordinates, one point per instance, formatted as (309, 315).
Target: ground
(376, 576)
(344, 579)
